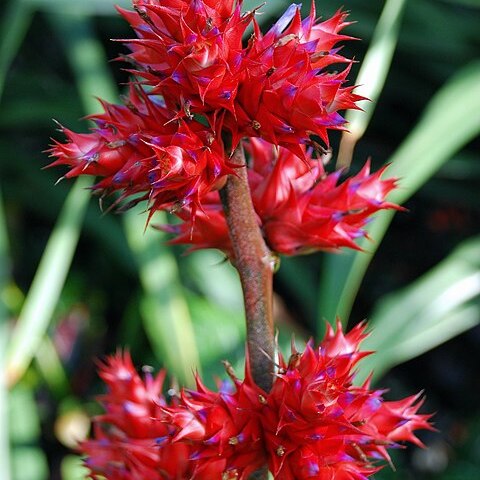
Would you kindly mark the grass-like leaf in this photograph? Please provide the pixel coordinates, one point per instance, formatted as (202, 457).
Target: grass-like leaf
(15, 23)
(47, 284)
(438, 306)
(165, 312)
(4, 277)
(371, 77)
(166, 316)
(449, 122)
(28, 459)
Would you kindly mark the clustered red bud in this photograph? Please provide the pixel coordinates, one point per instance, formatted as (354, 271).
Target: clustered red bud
(299, 207)
(190, 52)
(197, 84)
(138, 150)
(131, 439)
(319, 425)
(223, 429)
(286, 94)
(315, 423)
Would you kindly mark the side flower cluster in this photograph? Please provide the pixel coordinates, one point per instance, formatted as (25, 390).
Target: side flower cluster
(299, 207)
(315, 423)
(141, 153)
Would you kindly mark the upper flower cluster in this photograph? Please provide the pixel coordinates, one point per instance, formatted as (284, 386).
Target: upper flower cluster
(315, 423)
(197, 85)
(275, 87)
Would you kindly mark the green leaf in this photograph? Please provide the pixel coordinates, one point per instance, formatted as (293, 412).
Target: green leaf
(208, 269)
(48, 282)
(28, 460)
(84, 53)
(166, 317)
(164, 309)
(371, 77)
(51, 368)
(438, 306)
(4, 280)
(16, 20)
(450, 121)
(221, 329)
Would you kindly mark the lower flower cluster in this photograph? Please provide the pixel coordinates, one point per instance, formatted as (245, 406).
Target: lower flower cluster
(313, 424)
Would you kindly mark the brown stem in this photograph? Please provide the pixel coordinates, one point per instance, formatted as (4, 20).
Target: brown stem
(254, 263)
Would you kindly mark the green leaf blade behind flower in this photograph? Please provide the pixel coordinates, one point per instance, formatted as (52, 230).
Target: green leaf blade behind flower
(371, 77)
(16, 20)
(438, 306)
(449, 122)
(164, 309)
(42, 297)
(4, 331)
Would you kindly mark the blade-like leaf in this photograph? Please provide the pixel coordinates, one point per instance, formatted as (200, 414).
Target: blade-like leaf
(438, 306)
(47, 284)
(16, 20)
(4, 278)
(450, 121)
(28, 459)
(164, 309)
(84, 54)
(166, 317)
(371, 77)
(208, 269)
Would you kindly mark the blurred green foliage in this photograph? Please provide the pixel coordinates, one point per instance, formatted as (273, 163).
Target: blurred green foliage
(76, 284)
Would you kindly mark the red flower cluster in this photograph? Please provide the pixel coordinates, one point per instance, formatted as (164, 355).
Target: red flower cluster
(190, 52)
(132, 437)
(197, 84)
(299, 207)
(275, 87)
(286, 94)
(313, 424)
(141, 153)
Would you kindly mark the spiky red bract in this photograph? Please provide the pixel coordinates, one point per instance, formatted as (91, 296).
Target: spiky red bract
(315, 423)
(141, 153)
(190, 52)
(197, 84)
(276, 87)
(286, 94)
(318, 425)
(223, 430)
(131, 439)
(299, 207)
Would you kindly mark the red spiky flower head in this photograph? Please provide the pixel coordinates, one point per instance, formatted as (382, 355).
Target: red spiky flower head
(190, 52)
(222, 429)
(314, 423)
(300, 208)
(198, 83)
(131, 439)
(287, 93)
(141, 153)
(318, 424)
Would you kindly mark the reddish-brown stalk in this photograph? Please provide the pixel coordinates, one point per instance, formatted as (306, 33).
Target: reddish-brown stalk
(254, 262)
